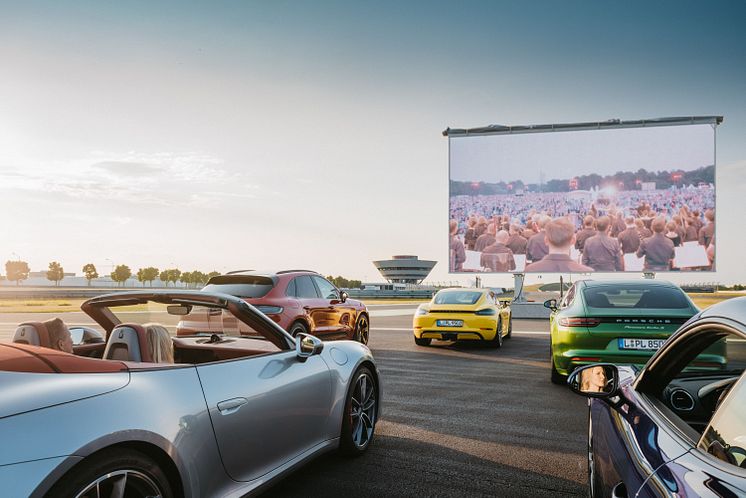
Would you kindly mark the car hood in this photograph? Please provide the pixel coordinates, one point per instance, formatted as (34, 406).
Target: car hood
(32, 378)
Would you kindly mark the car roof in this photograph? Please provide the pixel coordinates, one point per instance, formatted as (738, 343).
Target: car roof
(734, 309)
(269, 273)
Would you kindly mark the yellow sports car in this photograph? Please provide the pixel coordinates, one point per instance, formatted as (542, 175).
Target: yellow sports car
(463, 314)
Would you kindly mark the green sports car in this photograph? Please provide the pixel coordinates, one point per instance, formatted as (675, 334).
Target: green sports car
(621, 322)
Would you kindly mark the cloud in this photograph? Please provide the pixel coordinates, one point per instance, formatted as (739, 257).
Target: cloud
(127, 168)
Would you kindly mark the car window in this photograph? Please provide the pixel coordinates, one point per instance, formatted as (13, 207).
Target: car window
(250, 286)
(290, 291)
(725, 436)
(569, 296)
(639, 297)
(457, 297)
(327, 290)
(304, 288)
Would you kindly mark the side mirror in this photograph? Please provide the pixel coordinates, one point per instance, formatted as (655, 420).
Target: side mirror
(307, 345)
(551, 304)
(343, 296)
(504, 304)
(600, 380)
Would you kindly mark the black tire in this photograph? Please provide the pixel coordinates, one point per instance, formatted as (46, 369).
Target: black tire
(557, 378)
(422, 342)
(357, 431)
(497, 342)
(510, 327)
(362, 329)
(298, 328)
(144, 477)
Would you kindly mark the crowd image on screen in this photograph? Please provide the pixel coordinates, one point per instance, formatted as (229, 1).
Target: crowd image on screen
(625, 230)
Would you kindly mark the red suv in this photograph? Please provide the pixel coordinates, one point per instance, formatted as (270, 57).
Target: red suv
(298, 300)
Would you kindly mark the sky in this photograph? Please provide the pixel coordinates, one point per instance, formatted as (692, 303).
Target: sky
(233, 135)
(563, 155)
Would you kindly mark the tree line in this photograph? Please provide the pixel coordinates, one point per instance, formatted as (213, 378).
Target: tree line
(343, 283)
(18, 271)
(628, 180)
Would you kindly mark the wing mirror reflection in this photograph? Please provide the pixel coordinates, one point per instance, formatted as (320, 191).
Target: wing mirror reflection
(551, 304)
(343, 296)
(600, 380)
(307, 345)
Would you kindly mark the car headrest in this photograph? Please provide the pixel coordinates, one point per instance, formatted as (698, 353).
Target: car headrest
(33, 333)
(127, 342)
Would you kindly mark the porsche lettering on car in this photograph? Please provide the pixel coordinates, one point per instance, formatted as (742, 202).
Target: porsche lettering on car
(622, 322)
(463, 315)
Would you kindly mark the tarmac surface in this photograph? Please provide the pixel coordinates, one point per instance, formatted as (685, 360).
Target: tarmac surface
(457, 420)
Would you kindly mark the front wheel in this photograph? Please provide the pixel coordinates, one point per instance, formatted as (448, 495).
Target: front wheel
(362, 330)
(361, 412)
(115, 472)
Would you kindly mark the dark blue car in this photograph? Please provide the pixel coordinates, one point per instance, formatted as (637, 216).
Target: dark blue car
(676, 427)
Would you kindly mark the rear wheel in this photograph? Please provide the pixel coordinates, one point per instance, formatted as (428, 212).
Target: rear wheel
(115, 472)
(497, 341)
(422, 342)
(557, 378)
(510, 327)
(298, 328)
(361, 412)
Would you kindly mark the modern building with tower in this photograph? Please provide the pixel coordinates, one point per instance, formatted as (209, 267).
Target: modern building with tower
(405, 269)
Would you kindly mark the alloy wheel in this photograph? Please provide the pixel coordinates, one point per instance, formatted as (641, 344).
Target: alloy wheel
(121, 483)
(363, 329)
(363, 411)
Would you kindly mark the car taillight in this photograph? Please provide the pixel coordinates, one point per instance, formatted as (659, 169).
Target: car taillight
(421, 311)
(578, 322)
(485, 312)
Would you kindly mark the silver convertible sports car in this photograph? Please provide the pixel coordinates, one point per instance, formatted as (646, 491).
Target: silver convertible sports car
(230, 415)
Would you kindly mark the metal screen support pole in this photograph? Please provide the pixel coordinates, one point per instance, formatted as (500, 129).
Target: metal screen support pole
(649, 275)
(518, 288)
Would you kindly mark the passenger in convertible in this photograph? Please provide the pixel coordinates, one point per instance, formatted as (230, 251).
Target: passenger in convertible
(59, 335)
(159, 343)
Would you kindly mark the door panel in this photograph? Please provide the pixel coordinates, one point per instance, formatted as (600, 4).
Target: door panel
(333, 310)
(628, 445)
(266, 410)
(696, 474)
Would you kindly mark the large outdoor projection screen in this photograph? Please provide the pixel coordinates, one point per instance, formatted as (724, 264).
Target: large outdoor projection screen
(614, 196)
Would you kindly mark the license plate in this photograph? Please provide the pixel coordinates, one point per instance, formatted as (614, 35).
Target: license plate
(641, 344)
(450, 323)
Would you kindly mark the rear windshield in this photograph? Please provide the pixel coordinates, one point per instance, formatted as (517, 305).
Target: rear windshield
(457, 297)
(240, 285)
(649, 297)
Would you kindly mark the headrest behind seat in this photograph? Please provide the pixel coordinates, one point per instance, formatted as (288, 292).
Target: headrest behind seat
(127, 342)
(33, 333)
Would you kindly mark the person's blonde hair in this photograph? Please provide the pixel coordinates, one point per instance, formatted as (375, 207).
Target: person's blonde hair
(585, 381)
(160, 345)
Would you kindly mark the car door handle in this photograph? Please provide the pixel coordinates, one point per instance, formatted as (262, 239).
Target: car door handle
(231, 405)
